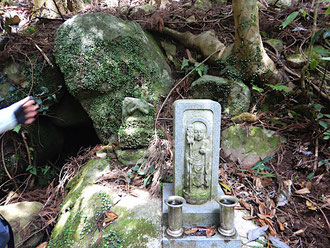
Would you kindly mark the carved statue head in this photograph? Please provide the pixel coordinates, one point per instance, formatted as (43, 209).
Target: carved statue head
(199, 131)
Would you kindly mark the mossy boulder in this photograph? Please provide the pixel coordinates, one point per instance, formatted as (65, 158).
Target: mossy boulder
(19, 215)
(83, 221)
(234, 96)
(129, 157)
(136, 132)
(105, 59)
(248, 145)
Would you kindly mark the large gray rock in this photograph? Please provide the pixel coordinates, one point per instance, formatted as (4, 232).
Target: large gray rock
(246, 145)
(105, 59)
(19, 216)
(83, 221)
(234, 96)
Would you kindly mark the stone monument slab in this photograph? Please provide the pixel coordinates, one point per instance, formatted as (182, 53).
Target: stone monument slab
(196, 149)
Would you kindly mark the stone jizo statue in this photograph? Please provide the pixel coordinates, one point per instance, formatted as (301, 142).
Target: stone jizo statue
(197, 163)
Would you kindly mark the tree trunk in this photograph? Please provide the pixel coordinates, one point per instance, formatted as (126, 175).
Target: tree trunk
(65, 6)
(248, 47)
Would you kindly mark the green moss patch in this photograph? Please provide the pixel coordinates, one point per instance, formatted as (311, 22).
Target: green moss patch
(104, 60)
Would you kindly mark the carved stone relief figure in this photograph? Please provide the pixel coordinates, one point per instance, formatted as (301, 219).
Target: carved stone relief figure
(197, 162)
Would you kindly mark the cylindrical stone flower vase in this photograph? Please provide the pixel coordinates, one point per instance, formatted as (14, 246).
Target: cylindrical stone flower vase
(175, 219)
(227, 204)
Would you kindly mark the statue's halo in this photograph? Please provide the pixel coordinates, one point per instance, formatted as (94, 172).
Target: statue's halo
(206, 123)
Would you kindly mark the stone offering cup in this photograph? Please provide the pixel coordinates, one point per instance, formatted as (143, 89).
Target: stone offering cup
(227, 204)
(175, 220)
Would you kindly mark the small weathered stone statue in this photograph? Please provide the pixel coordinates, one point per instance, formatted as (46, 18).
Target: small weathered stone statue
(197, 162)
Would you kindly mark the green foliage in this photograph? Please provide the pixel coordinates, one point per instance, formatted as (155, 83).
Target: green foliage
(31, 169)
(327, 12)
(279, 87)
(111, 240)
(323, 121)
(201, 70)
(325, 162)
(4, 25)
(17, 128)
(289, 19)
(256, 88)
(260, 166)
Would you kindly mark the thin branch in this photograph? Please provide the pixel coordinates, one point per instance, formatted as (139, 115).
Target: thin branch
(58, 10)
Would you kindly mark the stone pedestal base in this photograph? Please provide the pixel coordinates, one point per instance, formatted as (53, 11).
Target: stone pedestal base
(185, 241)
(196, 215)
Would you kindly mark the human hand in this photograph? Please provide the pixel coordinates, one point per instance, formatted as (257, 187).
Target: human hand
(26, 112)
(30, 111)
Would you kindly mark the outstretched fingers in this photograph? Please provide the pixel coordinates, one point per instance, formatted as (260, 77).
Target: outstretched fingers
(30, 111)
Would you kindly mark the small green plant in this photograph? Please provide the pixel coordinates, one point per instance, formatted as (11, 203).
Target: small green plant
(290, 19)
(31, 169)
(260, 166)
(201, 70)
(279, 87)
(323, 120)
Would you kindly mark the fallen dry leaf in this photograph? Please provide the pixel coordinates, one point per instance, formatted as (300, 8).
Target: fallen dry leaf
(210, 231)
(245, 205)
(264, 216)
(262, 208)
(310, 205)
(271, 227)
(299, 232)
(302, 191)
(191, 231)
(249, 217)
(266, 181)
(280, 225)
(42, 245)
(111, 216)
(309, 185)
(257, 182)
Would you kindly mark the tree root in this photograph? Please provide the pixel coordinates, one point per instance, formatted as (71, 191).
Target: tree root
(206, 42)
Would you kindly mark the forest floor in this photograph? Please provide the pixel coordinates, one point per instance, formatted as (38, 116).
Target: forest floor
(300, 168)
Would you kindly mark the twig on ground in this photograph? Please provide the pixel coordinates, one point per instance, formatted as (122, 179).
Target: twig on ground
(44, 55)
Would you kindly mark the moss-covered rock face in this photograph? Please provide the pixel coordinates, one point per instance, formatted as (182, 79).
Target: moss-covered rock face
(82, 221)
(234, 96)
(130, 156)
(104, 60)
(248, 145)
(19, 215)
